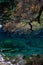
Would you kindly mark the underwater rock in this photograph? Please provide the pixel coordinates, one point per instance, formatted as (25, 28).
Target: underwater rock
(40, 35)
(5, 50)
(15, 50)
(29, 43)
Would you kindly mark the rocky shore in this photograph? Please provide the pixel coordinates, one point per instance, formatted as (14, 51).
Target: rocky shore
(21, 60)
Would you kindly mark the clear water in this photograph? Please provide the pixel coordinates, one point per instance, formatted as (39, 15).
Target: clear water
(26, 44)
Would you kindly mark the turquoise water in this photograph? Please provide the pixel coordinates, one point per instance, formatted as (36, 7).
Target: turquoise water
(26, 44)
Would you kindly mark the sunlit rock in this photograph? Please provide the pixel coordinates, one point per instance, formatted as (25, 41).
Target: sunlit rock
(0, 26)
(1, 58)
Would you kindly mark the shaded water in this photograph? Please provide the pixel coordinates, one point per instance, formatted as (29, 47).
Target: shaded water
(26, 44)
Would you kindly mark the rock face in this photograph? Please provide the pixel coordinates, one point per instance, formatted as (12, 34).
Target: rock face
(26, 11)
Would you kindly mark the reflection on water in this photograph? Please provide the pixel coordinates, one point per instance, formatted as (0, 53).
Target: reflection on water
(26, 43)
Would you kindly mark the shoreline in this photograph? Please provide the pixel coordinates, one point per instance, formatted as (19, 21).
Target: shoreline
(20, 59)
